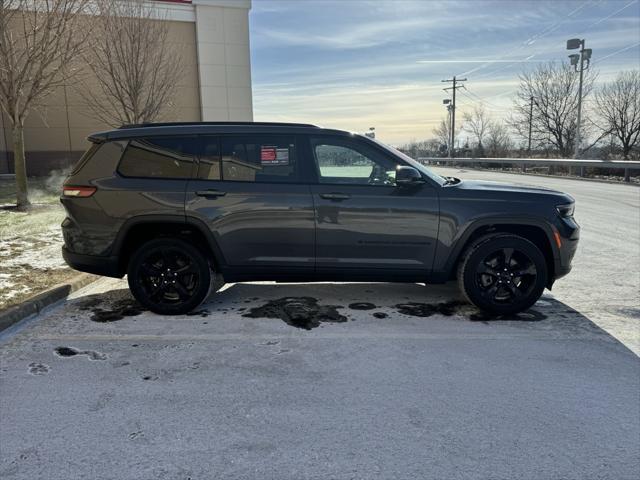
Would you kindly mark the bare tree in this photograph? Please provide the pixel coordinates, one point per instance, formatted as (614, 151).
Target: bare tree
(39, 40)
(423, 148)
(443, 132)
(554, 90)
(135, 68)
(498, 140)
(618, 106)
(477, 123)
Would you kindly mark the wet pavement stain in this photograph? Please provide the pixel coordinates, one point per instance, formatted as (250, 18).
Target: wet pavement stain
(362, 306)
(528, 316)
(299, 312)
(380, 315)
(203, 313)
(67, 352)
(416, 309)
(456, 307)
(118, 311)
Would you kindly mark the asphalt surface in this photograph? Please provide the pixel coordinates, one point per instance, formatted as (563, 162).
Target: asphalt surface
(97, 389)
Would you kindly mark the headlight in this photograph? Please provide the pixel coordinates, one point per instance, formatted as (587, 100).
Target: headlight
(566, 210)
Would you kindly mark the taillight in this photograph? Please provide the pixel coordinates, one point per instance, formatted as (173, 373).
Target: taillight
(70, 191)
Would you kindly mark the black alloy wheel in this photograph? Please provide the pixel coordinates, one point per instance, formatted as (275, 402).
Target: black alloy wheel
(503, 274)
(169, 276)
(506, 275)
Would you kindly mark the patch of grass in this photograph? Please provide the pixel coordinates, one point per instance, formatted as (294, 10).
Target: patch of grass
(30, 241)
(37, 281)
(38, 221)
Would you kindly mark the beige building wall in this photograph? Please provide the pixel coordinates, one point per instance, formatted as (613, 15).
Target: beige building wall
(222, 29)
(213, 36)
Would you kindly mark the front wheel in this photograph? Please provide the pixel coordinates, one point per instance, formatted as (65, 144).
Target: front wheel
(503, 274)
(169, 276)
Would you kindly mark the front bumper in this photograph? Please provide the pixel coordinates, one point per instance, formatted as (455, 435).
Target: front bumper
(569, 232)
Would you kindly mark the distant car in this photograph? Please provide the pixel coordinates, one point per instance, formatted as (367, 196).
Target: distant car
(179, 208)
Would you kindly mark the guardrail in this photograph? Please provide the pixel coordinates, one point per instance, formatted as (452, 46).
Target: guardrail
(625, 165)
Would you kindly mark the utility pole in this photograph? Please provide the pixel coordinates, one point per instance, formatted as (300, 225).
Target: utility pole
(585, 56)
(455, 86)
(530, 124)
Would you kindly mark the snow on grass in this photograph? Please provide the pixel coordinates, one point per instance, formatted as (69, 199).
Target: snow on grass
(30, 243)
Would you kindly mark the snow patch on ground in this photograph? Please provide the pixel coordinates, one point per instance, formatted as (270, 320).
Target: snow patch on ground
(30, 255)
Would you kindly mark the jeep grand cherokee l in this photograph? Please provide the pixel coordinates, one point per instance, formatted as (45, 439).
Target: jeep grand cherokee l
(179, 208)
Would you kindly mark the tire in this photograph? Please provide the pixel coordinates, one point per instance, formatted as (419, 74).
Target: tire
(503, 274)
(169, 276)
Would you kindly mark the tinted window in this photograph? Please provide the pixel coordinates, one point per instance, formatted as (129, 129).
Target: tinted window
(259, 159)
(86, 156)
(209, 166)
(159, 157)
(347, 162)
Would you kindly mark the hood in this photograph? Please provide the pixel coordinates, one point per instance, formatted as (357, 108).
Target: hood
(504, 187)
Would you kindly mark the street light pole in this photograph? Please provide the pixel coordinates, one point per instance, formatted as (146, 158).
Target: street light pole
(578, 139)
(447, 102)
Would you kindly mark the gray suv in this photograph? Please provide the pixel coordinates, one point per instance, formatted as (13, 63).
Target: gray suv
(179, 208)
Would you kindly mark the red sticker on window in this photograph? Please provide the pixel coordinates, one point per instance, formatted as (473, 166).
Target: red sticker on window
(267, 154)
(271, 155)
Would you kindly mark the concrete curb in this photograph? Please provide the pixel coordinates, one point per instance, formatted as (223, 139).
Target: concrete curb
(35, 304)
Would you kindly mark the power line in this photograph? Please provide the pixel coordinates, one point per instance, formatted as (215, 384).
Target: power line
(473, 96)
(597, 22)
(529, 41)
(616, 52)
(557, 25)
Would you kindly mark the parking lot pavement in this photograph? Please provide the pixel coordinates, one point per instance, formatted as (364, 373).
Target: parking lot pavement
(98, 389)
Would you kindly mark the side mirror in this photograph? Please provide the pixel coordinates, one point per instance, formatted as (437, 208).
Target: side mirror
(408, 176)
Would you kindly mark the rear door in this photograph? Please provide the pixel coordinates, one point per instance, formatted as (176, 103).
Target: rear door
(248, 191)
(365, 223)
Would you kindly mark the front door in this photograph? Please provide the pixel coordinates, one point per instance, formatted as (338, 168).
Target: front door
(248, 193)
(365, 223)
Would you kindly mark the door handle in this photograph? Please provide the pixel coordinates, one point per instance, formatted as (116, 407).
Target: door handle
(335, 196)
(210, 193)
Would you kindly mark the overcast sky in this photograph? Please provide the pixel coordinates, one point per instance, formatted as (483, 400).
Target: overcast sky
(354, 64)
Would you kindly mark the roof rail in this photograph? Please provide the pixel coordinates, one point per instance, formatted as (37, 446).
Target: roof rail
(177, 124)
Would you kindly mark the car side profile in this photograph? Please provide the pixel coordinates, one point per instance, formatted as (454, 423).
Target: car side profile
(181, 208)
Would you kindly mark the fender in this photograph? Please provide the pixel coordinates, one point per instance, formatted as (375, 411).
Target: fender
(129, 223)
(177, 220)
(468, 229)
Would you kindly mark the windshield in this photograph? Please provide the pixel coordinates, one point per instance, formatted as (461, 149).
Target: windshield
(418, 166)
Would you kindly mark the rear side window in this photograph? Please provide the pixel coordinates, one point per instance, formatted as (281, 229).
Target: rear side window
(159, 157)
(85, 157)
(260, 158)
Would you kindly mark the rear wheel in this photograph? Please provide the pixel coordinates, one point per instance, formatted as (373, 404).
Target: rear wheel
(503, 274)
(169, 276)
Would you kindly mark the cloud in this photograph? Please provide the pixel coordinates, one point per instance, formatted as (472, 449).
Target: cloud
(353, 65)
(363, 35)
